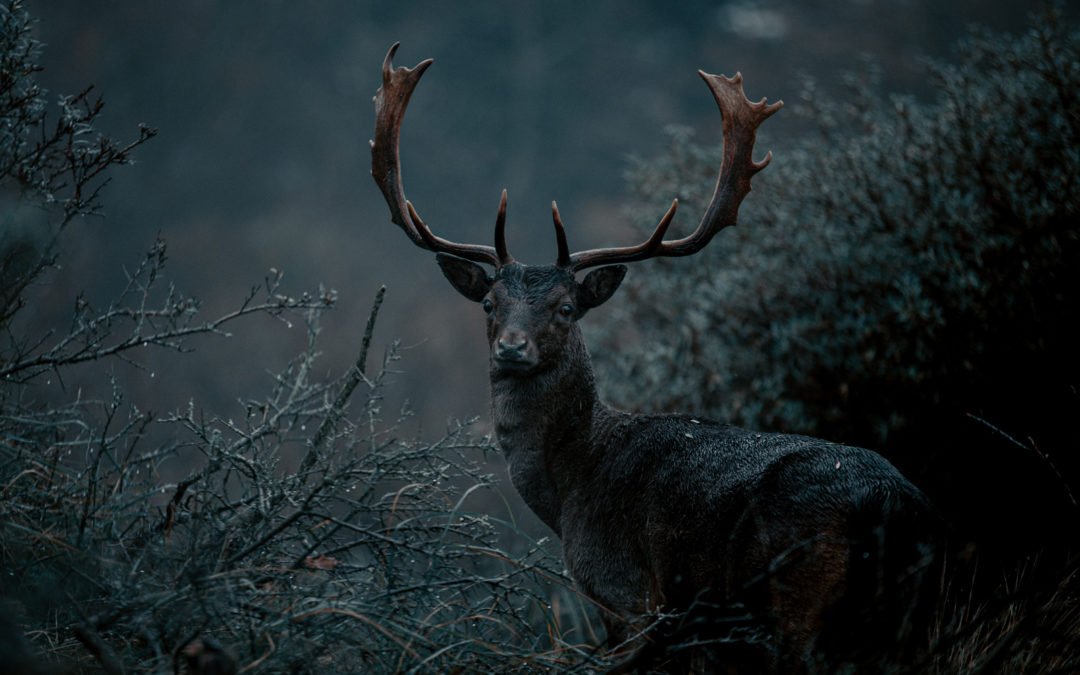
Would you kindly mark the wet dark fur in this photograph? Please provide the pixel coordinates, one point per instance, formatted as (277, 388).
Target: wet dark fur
(822, 546)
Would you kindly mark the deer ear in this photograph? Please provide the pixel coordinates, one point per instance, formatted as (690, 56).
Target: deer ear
(468, 278)
(599, 285)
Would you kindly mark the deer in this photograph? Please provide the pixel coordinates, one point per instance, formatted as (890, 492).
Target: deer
(816, 546)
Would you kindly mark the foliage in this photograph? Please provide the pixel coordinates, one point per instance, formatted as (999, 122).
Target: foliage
(907, 279)
(885, 268)
(909, 272)
(304, 534)
(307, 533)
(51, 170)
(366, 556)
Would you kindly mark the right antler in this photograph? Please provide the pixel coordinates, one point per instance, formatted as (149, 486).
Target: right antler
(741, 118)
(390, 102)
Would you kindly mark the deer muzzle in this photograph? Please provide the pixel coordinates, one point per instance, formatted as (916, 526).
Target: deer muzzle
(514, 352)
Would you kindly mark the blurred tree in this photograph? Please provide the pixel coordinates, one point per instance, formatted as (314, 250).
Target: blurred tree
(908, 280)
(51, 170)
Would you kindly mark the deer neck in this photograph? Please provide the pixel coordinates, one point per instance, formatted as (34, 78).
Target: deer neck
(544, 425)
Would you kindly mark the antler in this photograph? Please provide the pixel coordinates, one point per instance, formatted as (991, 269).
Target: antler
(741, 119)
(390, 102)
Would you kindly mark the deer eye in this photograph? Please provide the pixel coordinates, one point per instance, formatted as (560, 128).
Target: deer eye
(567, 310)
(488, 306)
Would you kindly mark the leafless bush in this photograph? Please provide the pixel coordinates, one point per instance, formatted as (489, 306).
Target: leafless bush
(313, 532)
(52, 166)
(307, 536)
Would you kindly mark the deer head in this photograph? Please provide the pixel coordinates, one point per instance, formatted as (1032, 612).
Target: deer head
(532, 310)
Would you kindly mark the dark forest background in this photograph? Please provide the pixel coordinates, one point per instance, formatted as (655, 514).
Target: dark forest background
(904, 277)
(265, 113)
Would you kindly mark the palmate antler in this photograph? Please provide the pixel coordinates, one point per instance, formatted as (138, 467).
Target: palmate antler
(741, 118)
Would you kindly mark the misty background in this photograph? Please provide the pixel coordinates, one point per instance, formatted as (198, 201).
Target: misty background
(264, 112)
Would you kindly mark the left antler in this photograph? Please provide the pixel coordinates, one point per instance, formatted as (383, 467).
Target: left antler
(390, 102)
(741, 118)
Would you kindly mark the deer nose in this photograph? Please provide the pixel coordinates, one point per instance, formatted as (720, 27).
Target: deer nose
(511, 346)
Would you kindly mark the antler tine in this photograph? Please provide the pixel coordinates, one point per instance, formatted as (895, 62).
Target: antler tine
(563, 260)
(649, 248)
(500, 233)
(391, 100)
(740, 118)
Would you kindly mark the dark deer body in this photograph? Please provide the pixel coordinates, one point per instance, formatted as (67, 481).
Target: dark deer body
(819, 544)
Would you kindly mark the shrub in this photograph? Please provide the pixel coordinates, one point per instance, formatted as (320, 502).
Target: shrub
(907, 279)
(363, 555)
(305, 534)
(51, 170)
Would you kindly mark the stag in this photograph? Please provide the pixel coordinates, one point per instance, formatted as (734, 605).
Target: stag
(814, 545)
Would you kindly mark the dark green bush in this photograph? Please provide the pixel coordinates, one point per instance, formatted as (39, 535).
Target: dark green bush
(908, 279)
(909, 270)
(899, 254)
